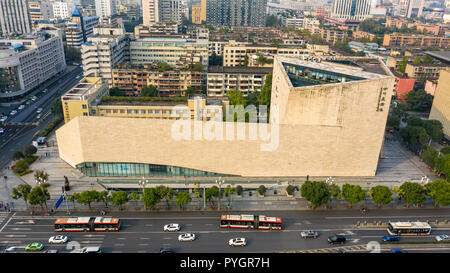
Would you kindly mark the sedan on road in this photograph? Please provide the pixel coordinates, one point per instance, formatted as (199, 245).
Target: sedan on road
(172, 227)
(237, 242)
(2, 131)
(309, 234)
(186, 237)
(34, 246)
(390, 238)
(3, 119)
(21, 107)
(39, 110)
(58, 239)
(444, 238)
(13, 112)
(337, 239)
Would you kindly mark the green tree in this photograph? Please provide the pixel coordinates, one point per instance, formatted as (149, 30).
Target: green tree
(262, 190)
(419, 100)
(290, 189)
(17, 155)
(239, 189)
(381, 195)
(87, 197)
(335, 191)
(210, 193)
(317, 193)
(272, 21)
(135, 196)
(20, 166)
(115, 92)
(414, 136)
(434, 129)
(198, 67)
(164, 67)
(439, 191)
(29, 150)
(38, 196)
(429, 155)
(150, 91)
(119, 198)
(215, 60)
(56, 108)
(183, 198)
(104, 197)
(21, 191)
(412, 193)
(266, 91)
(393, 121)
(236, 97)
(445, 150)
(442, 165)
(190, 91)
(150, 198)
(40, 176)
(417, 60)
(353, 194)
(427, 59)
(402, 64)
(73, 198)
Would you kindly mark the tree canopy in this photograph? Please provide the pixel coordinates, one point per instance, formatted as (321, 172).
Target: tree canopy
(353, 193)
(419, 100)
(381, 195)
(412, 193)
(317, 193)
(439, 191)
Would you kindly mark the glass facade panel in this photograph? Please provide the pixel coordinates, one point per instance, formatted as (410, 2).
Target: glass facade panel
(137, 169)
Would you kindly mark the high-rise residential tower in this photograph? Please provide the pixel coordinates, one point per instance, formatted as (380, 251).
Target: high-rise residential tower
(155, 11)
(14, 17)
(236, 12)
(351, 9)
(105, 8)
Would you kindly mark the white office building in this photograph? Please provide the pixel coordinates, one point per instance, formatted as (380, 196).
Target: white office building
(358, 10)
(105, 8)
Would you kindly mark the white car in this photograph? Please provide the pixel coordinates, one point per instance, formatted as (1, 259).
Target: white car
(10, 249)
(186, 237)
(38, 116)
(309, 234)
(39, 110)
(91, 249)
(33, 98)
(172, 227)
(58, 239)
(4, 118)
(237, 242)
(2, 130)
(440, 238)
(13, 112)
(21, 106)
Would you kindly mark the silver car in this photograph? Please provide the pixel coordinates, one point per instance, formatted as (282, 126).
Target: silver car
(186, 237)
(309, 234)
(443, 238)
(237, 242)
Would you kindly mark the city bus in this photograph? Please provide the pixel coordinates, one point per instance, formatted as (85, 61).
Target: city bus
(87, 224)
(409, 228)
(248, 221)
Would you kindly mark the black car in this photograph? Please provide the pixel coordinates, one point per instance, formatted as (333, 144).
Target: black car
(337, 239)
(166, 250)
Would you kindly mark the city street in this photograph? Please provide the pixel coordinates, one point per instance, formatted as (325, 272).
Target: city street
(143, 232)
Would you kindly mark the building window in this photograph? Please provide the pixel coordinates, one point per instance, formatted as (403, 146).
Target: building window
(108, 111)
(150, 111)
(85, 114)
(156, 111)
(115, 111)
(129, 112)
(122, 111)
(84, 106)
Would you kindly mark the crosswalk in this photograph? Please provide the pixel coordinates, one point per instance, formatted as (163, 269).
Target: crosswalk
(3, 217)
(352, 248)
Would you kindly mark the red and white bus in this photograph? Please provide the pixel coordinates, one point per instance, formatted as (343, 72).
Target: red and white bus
(251, 222)
(87, 224)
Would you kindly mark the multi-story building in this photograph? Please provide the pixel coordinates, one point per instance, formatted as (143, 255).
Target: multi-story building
(302, 22)
(155, 11)
(396, 22)
(29, 60)
(104, 49)
(441, 102)
(79, 28)
(438, 30)
(105, 8)
(14, 17)
(40, 11)
(142, 31)
(196, 16)
(351, 9)
(63, 10)
(424, 71)
(404, 40)
(171, 82)
(323, 116)
(333, 35)
(243, 79)
(363, 35)
(174, 51)
(236, 12)
(79, 100)
(415, 8)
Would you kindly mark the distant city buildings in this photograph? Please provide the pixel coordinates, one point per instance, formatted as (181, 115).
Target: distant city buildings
(62, 9)
(357, 10)
(236, 13)
(40, 10)
(14, 17)
(407, 40)
(105, 8)
(155, 11)
(27, 61)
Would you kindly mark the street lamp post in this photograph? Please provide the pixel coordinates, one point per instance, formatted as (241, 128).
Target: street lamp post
(204, 197)
(143, 183)
(219, 182)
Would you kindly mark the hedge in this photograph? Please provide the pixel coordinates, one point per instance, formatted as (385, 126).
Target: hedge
(51, 126)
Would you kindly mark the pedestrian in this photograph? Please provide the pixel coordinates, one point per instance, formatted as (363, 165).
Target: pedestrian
(46, 213)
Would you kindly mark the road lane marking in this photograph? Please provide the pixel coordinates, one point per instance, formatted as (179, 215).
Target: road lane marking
(381, 217)
(21, 228)
(18, 235)
(7, 222)
(141, 251)
(143, 244)
(148, 225)
(167, 238)
(267, 203)
(293, 202)
(119, 244)
(144, 238)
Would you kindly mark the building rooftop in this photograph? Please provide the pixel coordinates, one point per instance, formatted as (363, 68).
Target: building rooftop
(239, 69)
(83, 89)
(443, 56)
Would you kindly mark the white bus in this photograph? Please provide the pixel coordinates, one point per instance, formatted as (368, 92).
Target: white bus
(409, 228)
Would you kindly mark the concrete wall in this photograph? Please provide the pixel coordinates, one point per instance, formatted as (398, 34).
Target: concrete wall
(441, 103)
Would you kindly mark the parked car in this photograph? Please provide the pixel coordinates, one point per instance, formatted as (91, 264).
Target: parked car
(309, 234)
(4, 118)
(91, 249)
(38, 116)
(237, 242)
(390, 238)
(444, 238)
(2, 130)
(34, 246)
(336, 239)
(45, 90)
(39, 110)
(21, 107)
(33, 98)
(186, 237)
(58, 239)
(172, 227)
(13, 112)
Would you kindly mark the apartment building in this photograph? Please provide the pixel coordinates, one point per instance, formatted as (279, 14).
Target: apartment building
(156, 29)
(14, 17)
(155, 11)
(104, 49)
(63, 10)
(196, 14)
(40, 11)
(351, 9)
(402, 40)
(172, 82)
(79, 28)
(174, 51)
(29, 60)
(333, 35)
(243, 79)
(105, 8)
(302, 22)
(236, 12)
(424, 71)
